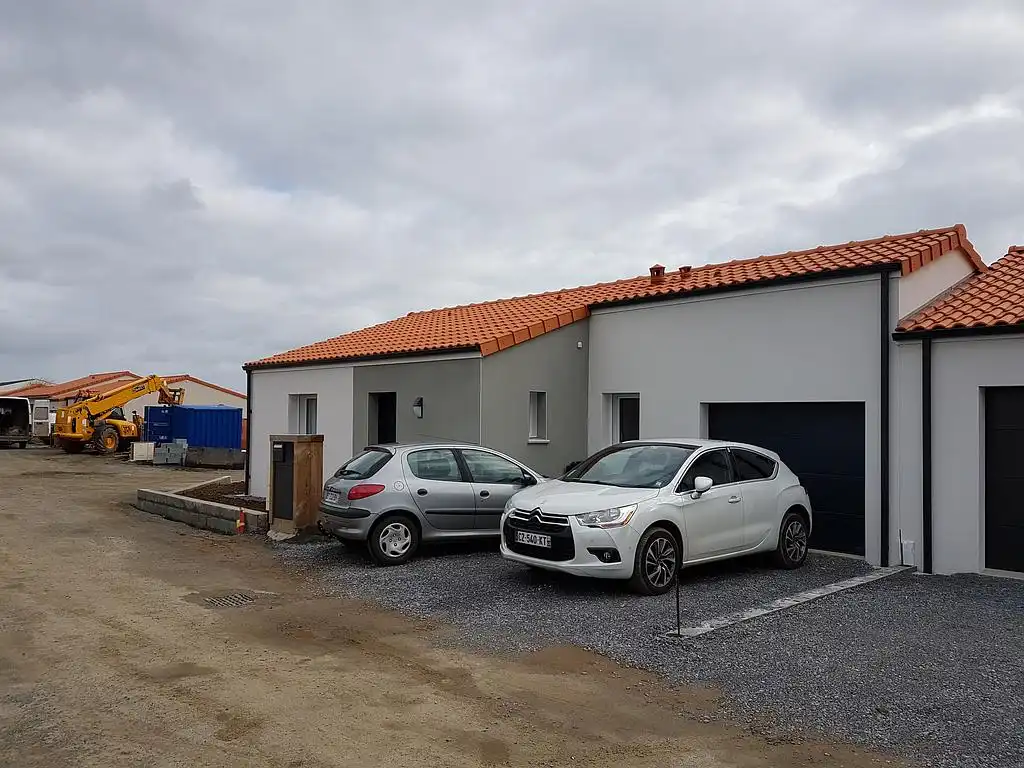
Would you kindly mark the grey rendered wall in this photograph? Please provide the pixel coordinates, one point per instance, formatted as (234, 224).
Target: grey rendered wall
(451, 399)
(961, 368)
(552, 363)
(805, 342)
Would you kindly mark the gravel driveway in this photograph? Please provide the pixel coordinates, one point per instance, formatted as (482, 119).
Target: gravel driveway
(930, 667)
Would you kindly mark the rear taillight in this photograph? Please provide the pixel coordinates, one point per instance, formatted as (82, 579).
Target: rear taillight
(357, 492)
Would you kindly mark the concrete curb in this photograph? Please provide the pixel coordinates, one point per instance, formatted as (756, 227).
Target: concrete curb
(208, 515)
(214, 481)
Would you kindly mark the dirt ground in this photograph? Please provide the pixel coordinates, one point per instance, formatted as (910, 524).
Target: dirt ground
(110, 656)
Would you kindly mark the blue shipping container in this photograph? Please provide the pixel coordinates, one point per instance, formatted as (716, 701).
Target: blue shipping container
(202, 426)
(157, 428)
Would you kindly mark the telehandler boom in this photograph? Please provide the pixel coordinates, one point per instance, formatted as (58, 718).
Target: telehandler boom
(99, 420)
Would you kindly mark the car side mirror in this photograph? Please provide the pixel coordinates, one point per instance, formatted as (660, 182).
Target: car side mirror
(701, 485)
(528, 480)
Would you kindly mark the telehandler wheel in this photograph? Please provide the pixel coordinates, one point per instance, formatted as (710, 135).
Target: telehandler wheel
(108, 439)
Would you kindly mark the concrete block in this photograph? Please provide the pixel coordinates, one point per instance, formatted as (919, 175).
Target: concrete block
(225, 458)
(221, 526)
(256, 522)
(150, 506)
(223, 511)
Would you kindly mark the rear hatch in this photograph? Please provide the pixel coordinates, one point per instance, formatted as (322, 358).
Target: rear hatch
(15, 418)
(356, 471)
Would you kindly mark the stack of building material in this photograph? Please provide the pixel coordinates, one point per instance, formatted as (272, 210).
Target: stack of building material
(171, 453)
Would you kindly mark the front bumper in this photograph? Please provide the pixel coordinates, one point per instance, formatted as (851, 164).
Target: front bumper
(349, 523)
(571, 549)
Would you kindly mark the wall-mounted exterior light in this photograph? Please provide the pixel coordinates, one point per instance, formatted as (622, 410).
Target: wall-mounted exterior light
(417, 407)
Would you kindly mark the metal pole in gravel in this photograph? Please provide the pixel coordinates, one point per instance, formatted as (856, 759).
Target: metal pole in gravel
(678, 620)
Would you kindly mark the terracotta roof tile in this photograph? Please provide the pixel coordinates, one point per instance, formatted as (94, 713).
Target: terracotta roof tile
(67, 389)
(993, 298)
(490, 327)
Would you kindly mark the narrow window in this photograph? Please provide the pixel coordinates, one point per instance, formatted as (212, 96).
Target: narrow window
(538, 416)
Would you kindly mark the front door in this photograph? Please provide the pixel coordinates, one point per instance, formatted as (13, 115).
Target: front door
(495, 479)
(383, 418)
(441, 492)
(628, 418)
(714, 522)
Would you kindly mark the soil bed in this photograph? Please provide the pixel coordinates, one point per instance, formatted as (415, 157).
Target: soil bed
(232, 493)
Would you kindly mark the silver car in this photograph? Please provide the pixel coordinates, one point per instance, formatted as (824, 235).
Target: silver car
(395, 496)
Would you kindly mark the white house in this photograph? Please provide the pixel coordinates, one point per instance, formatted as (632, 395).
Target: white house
(962, 432)
(795, 352)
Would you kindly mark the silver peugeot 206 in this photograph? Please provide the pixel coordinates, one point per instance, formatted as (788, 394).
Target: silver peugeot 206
(395, 496)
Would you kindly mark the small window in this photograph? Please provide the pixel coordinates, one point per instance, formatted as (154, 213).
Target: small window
(435, 464)
(310, 416)
(302, 414)
(538, 415)
(713, 464)
(752, 466)
(486, 467)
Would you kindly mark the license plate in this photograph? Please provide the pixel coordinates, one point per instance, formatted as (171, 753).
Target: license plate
(332, 497)
(533, 539)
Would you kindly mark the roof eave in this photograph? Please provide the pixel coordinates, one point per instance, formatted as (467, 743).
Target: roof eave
(257, 366)
(959, 332)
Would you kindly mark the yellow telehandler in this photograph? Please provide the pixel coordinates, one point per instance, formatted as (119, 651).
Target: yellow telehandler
(99, 420)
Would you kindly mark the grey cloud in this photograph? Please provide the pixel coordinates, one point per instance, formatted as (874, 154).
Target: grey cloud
(223, 180)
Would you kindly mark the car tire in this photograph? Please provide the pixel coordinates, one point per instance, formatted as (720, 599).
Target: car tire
(22, 445)
(792, 549)
(656, 563)
(393, 540)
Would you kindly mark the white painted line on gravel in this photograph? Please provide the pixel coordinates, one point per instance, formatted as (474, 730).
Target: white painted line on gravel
(785, 602)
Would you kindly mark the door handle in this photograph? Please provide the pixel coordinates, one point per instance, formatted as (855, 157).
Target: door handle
(734, 499)
(484, 494)
(422, 492)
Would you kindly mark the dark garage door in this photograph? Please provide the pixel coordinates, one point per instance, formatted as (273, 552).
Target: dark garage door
(1004, 478)
(824, 444)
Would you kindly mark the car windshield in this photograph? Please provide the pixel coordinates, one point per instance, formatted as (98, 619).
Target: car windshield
(632, 466)
(363, 465)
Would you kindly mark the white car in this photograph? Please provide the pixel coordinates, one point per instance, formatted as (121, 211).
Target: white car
(641, 510)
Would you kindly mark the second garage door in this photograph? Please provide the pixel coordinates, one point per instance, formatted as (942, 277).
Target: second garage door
(823, 443)
(1004, 478)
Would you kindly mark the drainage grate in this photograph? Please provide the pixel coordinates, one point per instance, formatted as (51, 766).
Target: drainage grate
(233, 600)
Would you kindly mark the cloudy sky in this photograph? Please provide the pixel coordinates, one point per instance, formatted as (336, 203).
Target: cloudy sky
(188, 185)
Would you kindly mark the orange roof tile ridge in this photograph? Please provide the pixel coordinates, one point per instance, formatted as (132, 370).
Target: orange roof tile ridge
(520, 297)
(842, 246)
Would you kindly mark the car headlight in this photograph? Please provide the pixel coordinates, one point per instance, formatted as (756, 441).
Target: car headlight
(607, 518)
(508, 505)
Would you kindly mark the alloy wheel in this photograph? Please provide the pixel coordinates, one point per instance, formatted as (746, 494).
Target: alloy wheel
(660, 562)
(795, 540)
